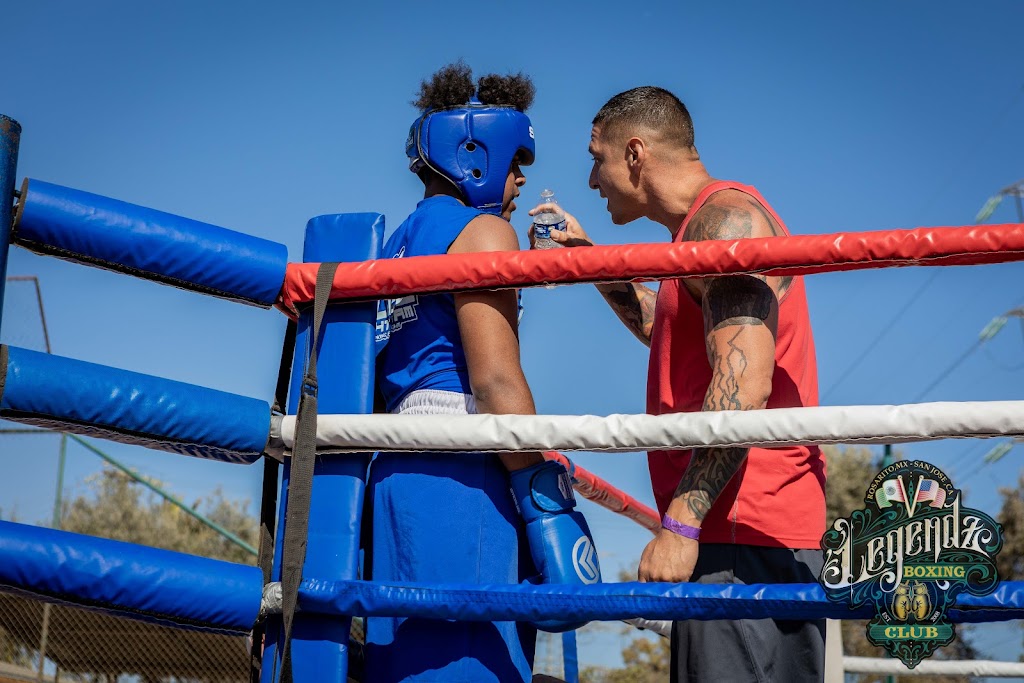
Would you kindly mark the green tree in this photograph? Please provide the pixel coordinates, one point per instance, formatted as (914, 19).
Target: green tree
(115, 507)
(645, 659)
(1010, 560)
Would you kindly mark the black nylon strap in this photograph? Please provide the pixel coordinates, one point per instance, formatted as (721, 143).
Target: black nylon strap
(300, 485)
(268, 501)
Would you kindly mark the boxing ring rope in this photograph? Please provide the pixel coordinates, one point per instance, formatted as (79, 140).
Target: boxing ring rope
(768, 428)
(129, 407)
(944, 667)
(599, 491)
(84, 398)
(790, 255)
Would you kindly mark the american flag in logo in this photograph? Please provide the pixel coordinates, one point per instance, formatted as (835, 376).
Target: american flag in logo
(930, 492)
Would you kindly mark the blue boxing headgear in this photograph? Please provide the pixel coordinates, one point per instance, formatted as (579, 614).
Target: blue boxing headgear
(473, 146)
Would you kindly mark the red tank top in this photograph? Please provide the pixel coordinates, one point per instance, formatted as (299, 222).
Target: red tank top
(777, 498)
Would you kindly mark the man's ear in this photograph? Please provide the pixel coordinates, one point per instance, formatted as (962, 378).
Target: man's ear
(636, 155)
(636, 152)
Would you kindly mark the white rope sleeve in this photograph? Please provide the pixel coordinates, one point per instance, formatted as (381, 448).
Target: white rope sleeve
(662, 628)
(624, 433)
(884, 665)
(932, 667)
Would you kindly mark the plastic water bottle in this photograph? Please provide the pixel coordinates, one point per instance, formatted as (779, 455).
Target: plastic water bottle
(543, 223)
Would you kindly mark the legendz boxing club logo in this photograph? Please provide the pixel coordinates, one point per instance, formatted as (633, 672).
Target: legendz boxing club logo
(909, 553)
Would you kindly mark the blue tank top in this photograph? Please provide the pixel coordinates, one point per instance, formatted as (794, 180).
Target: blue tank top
(417, 337)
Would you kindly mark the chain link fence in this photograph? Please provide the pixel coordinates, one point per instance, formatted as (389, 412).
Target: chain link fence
(42, 642)
(45, 642)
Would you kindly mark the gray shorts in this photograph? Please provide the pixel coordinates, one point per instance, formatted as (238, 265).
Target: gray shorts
(759, 650)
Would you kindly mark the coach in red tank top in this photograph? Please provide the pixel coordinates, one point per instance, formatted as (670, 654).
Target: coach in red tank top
(733, 342)
(773, 487)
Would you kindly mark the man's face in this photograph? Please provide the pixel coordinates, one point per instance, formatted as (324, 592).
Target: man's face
(610, 175)
(513, 182)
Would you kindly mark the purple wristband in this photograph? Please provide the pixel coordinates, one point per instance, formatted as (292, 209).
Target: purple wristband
(684, 530)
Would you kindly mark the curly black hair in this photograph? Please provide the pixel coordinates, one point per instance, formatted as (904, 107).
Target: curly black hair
(514, 90)
(452, 85)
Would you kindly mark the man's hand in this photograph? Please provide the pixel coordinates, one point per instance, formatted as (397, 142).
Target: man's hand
(669, 558)
(572, 236)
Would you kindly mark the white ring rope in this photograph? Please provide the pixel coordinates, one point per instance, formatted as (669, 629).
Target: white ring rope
(886, 665)
(883, 665)
(626, 433)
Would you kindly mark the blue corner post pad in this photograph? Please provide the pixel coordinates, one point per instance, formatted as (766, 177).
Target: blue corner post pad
(115, 235)
(128, 580)
(95, 400)
(345, 368)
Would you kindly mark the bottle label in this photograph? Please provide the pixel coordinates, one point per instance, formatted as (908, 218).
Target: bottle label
(543, 231)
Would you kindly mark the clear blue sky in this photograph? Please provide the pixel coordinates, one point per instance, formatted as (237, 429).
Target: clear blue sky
(257, 116)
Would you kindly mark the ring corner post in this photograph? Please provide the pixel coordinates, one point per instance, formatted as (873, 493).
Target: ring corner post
(320, 643)
(10, 141)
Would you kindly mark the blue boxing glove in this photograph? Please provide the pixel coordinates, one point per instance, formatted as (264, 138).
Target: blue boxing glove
(560, 541)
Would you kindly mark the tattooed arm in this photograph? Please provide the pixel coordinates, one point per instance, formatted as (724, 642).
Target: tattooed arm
(740, 314)
(634, 305)
(740, 321)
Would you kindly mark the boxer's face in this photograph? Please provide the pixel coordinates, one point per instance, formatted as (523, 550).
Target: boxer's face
(513, 182)
(610, 175)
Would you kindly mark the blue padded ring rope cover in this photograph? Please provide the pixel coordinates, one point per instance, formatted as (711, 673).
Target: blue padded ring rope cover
(115, 235)
(130, 580)
(71, 395)
(615, 601)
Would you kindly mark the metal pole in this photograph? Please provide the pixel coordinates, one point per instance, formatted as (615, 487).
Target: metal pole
(152, 487)
(39, 300)
(58, 498)
(45, 631)
(10, 140)
(887, 459)
(55, 523)
(166, 496)
(268, 499)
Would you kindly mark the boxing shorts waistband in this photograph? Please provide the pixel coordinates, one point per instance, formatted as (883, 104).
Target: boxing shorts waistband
(436, 402)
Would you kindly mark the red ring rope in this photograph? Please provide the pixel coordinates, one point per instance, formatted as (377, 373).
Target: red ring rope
(792, 255)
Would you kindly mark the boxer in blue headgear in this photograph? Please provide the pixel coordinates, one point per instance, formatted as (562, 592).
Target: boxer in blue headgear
(468, 518)
(473, 146)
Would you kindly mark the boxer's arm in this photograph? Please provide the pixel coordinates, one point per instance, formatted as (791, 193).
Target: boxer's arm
(488, 325)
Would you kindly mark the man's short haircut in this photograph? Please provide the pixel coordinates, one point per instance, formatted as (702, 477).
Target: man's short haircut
(647, 107)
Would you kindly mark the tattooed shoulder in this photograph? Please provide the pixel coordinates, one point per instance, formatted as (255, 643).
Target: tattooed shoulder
(720, 222)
